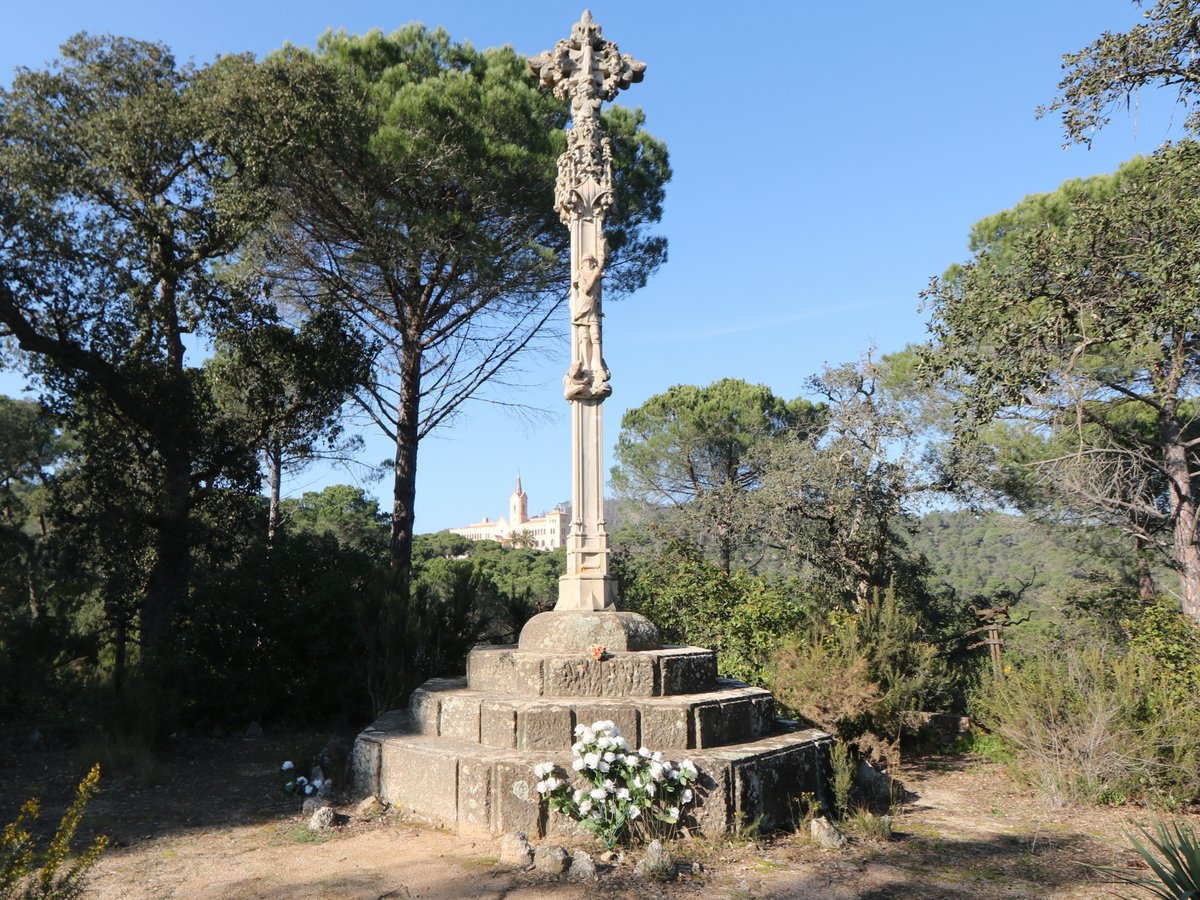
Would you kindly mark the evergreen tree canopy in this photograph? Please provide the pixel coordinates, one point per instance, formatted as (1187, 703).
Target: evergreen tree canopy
(1078, 320)
(425, 211)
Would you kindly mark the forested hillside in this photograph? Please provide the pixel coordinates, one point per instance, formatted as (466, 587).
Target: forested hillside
(981, 554)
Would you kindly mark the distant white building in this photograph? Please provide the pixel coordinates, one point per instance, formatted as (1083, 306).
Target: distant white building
(545, 532)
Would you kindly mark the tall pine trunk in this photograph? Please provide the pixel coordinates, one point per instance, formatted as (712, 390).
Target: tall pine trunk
(393, 661)
(1185, 512)
(404, 488)
(274, 456)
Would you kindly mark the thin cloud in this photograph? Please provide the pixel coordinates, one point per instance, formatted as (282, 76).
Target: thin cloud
(745, 327)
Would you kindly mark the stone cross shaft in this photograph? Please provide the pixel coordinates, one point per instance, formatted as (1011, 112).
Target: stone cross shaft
(586, 69)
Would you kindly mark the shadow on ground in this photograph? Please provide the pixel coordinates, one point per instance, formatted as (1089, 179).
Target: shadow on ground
(193, 784)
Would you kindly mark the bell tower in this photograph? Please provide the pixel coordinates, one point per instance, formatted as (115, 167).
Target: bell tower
(518, 506)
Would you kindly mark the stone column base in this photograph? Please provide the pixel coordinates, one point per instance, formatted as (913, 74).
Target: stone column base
(459, 784)
(586, 592)
(576, 631)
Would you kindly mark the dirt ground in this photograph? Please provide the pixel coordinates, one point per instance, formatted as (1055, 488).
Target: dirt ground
(211, 822)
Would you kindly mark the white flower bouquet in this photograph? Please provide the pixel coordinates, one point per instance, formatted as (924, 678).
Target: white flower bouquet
(622, 793)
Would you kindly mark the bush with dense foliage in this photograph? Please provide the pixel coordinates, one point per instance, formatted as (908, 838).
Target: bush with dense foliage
(693, 601)
(1096, 722)
(856, 675)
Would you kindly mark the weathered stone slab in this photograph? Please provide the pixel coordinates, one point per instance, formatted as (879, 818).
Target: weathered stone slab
(364, 766)
(517, 806)
(621, 675)
(712, 810)
(687, 670)
(459, 717)
(762, 715)
(474, 795)
(505, 670)
(767, 784)
(498, 724)
(776, 773)
(544, 727)
(666, 727)
(629, 675)
(735, 720)
(398, 721)
(425, 707)
(573, 676)
(422, 779)
(709, 725)
(438, 685)
(494, 669)
(623, 715)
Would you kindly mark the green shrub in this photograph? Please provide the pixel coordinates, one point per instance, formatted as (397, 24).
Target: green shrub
(29, 875)
(842, 762)
(274, 636)
(1163, 633)
(858, 674)
(1096, 724)
(743, 617)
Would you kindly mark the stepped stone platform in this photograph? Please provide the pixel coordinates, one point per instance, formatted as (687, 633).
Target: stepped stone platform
(462, 754)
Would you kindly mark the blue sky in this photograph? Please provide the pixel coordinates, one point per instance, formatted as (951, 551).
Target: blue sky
(829, 158)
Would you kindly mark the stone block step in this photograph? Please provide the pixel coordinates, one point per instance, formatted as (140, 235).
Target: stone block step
(729, 712)
(470, 787)
(644, 673)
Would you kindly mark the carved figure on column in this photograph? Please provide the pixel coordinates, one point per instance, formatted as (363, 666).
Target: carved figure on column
(588, 375)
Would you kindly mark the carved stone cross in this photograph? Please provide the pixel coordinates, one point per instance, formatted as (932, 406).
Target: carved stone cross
(587, 70)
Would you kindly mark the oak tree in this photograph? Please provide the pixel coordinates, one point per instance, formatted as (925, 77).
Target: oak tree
(124, 186)
(1077, 320)
(1162, 50)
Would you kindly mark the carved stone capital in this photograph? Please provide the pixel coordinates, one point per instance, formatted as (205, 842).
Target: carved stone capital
(586, 69)
(584, 186)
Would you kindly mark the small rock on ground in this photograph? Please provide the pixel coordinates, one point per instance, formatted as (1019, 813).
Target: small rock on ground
(875, 784)
(656, 863)
(321, 819)
(371, 806)
(583, 867)
(515, 850)
(826, 835)
(550, 860)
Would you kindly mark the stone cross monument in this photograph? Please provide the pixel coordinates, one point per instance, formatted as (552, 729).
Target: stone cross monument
(587, 69)
(463, 753)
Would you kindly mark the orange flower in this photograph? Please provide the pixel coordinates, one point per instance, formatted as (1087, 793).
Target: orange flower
(598, 652)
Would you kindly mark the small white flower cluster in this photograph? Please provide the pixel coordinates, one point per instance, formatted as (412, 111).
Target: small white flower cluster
(621, 785)
(300, 784)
